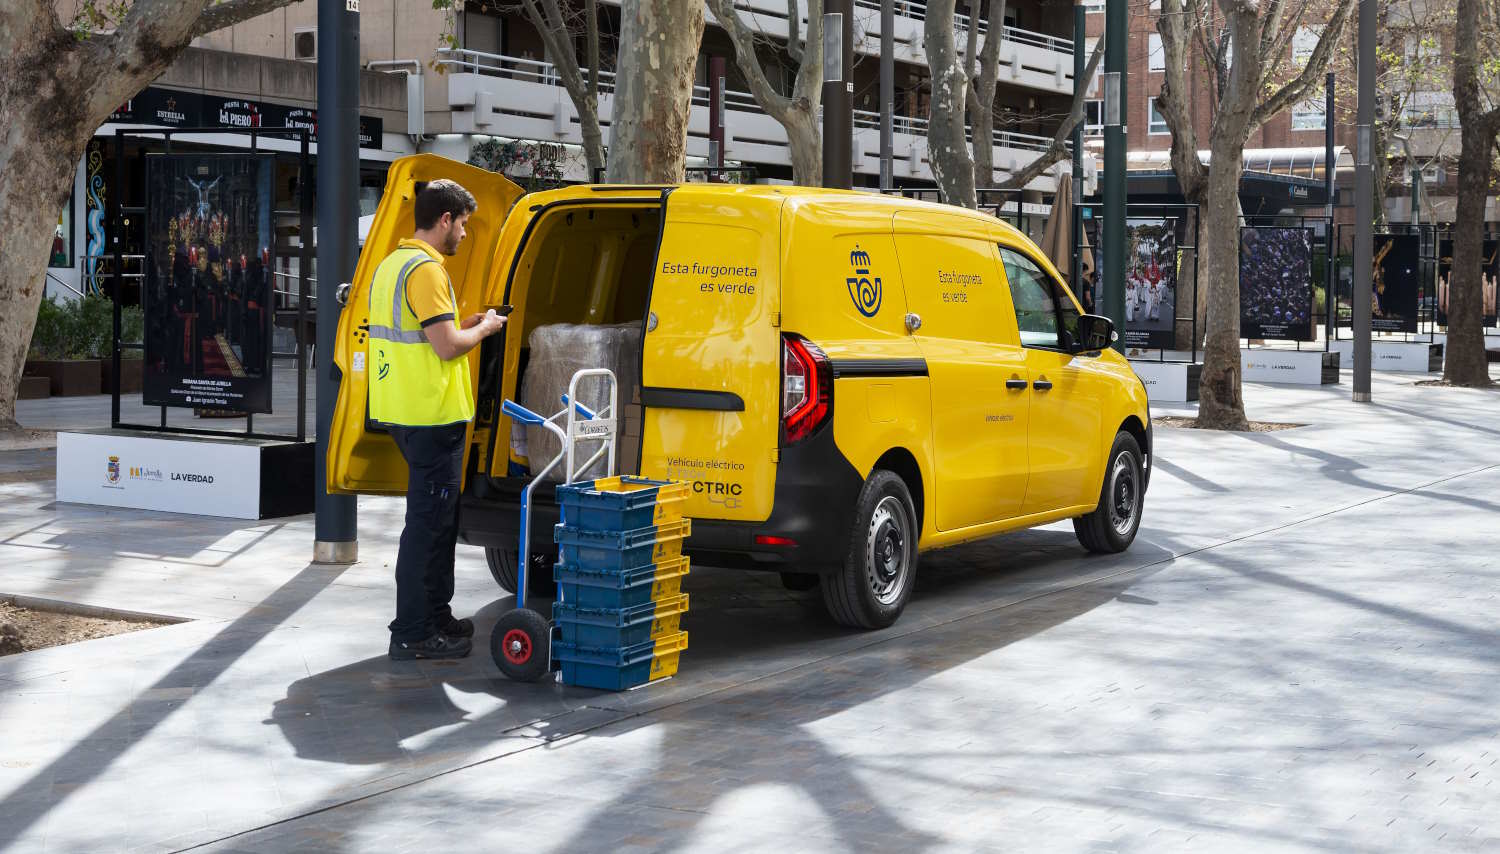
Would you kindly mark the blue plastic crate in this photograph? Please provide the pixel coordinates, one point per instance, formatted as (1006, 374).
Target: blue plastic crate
(589, 588)
(621, 503)
(619, 627)
(622, 668)
(618, 551)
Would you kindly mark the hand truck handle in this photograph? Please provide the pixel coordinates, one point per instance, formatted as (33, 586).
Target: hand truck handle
(588, 414)
(521, 413)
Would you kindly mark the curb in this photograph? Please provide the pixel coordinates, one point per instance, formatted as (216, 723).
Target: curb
(57, 606)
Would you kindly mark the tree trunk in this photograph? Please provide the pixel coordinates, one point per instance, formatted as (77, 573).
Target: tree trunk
(42, 137)
(654, 90)
(1221, 405)
(805, 140)
(947, 148)
(983, 96)
(1465, 362)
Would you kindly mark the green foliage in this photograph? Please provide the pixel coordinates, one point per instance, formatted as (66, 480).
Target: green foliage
(83, 329)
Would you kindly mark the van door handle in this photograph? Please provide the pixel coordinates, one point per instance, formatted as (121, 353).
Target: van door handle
(1015, 383)
(1042, 384)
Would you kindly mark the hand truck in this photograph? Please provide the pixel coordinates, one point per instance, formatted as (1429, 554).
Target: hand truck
(521, 643)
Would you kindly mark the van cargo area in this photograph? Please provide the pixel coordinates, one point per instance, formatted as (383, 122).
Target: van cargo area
(580, 284)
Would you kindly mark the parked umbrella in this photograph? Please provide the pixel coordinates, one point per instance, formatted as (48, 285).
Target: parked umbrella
(1057, 234)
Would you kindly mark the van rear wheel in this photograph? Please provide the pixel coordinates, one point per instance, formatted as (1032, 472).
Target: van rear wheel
(1111, 528)
(872, 587)
(502, 564)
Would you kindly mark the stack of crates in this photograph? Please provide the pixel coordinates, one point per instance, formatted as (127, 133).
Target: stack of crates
(619, 581)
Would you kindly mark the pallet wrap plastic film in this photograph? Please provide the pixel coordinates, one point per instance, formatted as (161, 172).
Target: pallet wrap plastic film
(557, 352)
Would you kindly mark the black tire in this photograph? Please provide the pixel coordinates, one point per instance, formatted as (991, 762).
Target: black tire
(1111, 528)
(521, 645)
(539, 582)
(799, 582)
(872, 587)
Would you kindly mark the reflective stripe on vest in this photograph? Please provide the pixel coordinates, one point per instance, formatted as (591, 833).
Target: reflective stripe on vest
(408, 383)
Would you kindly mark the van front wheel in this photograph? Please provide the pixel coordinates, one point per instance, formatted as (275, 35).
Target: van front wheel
(871, 588)
(1111, 528)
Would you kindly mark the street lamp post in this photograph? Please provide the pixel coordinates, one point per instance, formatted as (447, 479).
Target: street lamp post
(1116, 26)
(336, 537)
(1364, 203)
(838, 93)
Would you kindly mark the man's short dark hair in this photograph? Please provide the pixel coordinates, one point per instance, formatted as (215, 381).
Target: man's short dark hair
(435, 198)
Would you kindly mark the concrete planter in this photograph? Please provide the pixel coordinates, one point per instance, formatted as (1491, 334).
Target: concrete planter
(131, 371)
(35, 388)
(67, 377)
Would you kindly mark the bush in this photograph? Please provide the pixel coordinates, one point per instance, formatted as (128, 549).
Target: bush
(83, 329)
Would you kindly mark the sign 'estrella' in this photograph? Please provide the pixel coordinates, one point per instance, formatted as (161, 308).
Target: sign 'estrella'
(863, 290)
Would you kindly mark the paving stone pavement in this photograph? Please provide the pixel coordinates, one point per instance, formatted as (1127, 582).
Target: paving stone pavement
(1299, 653)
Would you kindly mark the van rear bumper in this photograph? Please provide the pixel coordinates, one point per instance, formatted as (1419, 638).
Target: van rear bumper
(816, 493)
(495, 522)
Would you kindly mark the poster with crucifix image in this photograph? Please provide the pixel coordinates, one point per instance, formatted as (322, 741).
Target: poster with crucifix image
(207, 293)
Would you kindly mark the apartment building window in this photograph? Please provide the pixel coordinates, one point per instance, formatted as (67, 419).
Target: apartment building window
(1093, 117)
(1309, 115)
(1093, 7)
(1157, 55)
(1158, 123)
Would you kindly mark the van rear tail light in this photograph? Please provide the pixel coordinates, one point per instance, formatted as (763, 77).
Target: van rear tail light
(806, 388)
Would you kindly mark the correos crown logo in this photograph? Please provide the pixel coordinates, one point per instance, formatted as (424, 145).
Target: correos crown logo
(865, 292)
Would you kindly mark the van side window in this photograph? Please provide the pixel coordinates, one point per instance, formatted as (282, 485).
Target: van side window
(1045, 315)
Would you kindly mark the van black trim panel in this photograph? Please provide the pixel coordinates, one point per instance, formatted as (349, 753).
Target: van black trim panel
(691, 398)
(879, 367)
(816, 491)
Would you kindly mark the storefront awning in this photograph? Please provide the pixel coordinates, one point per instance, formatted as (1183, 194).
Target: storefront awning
(1305, 162)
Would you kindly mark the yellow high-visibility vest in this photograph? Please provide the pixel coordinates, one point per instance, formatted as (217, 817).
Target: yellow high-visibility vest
(409, 384)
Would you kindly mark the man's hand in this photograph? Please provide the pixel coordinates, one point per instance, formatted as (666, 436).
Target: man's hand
(450, 343)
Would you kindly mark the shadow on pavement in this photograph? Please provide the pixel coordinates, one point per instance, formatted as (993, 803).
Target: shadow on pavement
(83, 762)
(757, 679)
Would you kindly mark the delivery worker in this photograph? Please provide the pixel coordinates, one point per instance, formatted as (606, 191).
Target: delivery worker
(420, 390)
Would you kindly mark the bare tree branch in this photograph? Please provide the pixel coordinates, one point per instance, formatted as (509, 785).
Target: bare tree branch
(793, 27)
(774, 103)
(1312, 74)
(217, 16)
(1058, 149)
(1174, 26)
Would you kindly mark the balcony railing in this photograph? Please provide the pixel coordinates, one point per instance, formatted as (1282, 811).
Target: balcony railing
(918, 11)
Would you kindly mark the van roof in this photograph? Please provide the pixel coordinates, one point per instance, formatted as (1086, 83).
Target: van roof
(799, 196)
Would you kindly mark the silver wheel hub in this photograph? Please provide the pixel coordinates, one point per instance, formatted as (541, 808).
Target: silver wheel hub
(1124, 497)
(888, 546)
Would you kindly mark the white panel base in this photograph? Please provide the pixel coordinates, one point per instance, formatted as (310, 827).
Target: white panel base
(1414, 357)
(1294, 367)
(1169, 382)
(179, 474)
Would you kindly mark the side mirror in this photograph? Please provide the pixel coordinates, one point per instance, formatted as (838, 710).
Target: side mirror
(1095, 332)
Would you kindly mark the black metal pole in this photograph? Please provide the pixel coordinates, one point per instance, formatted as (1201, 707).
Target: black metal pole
(1330, 190)
(1075, 260)
(1116, 104)
(336, 539)
(1364, 203)
(838, 94)
(887, 93)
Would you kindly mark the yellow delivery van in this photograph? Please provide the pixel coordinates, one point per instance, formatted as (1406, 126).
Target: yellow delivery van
(846, 380)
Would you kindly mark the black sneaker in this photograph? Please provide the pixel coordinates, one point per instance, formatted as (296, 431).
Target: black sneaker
(437, 646)
(457, 628)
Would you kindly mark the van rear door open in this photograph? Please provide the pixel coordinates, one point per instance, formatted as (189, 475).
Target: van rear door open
(363, 460)
(711, 359)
